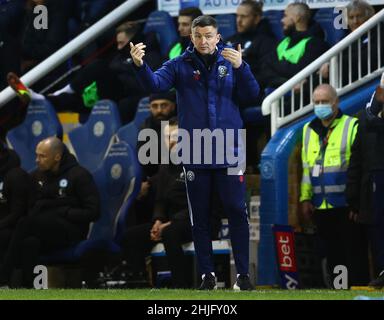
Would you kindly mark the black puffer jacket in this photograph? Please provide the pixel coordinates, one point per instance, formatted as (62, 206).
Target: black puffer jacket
(367, 158)
(71, 194)
(256, 45)
(14, 189)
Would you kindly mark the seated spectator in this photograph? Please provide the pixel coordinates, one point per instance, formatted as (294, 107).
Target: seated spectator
(14, 190)
(112, 78)
(184, 21)
(170, 222)
(298, 49)
(162, 107)
(65, 201)
(358, 12)
(253, 34)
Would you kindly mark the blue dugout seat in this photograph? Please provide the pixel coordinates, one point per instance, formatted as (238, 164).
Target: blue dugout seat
(40, 122)
(161, 23)
(326, 18)
(143, 112)
(274, 18)
(226, 24)
(118, 180)
(91, 141)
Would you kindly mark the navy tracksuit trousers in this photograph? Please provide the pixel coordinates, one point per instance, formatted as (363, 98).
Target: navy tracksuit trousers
(201, 184)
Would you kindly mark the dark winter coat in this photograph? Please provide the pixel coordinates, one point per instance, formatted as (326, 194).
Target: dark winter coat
(71, 194)
(14, 189)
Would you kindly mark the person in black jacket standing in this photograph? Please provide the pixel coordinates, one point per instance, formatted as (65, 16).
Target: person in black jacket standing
(65, 200)
(365, 184)
(14, 190)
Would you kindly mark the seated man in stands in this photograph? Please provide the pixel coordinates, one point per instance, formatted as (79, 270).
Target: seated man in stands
(298, 49)
(184, 22)
(163, 107)
(65, 201)
(14, 195)
(102, 79)
(254, 34)
(170, 222)
(358, 12)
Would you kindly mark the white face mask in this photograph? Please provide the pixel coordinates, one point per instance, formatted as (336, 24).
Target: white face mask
(323, 111)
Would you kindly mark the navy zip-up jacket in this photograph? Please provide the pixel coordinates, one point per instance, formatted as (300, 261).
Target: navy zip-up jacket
(206, 99)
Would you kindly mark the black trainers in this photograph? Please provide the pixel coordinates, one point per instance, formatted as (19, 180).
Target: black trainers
(242, 283)
(378, 282)
(209, 282)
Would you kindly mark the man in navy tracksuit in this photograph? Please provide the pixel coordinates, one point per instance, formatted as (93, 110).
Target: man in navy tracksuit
(210, 81)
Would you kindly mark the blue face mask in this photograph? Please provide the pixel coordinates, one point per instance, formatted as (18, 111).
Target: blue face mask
(323, 111)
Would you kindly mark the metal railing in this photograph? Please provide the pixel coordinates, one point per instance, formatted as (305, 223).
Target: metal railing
(72, 47)
(293, 99)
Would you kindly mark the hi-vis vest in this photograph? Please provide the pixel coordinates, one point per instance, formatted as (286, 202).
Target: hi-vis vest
(176, 50)
(325, 164)
(294, 54)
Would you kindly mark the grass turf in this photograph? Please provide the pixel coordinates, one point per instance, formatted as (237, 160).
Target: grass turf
(166, 294)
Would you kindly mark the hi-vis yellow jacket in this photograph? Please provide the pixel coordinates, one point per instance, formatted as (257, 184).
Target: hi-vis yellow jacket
(325, 163)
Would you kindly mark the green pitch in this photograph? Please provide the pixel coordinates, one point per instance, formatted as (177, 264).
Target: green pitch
(166, 294)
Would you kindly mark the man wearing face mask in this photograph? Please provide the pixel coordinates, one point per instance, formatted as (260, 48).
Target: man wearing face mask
(326, 150)
(299, 48)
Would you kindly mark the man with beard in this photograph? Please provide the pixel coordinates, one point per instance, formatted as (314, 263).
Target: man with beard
(253, 33)
(184, 22)
(162, 107)
(101, 79)
(299, 48)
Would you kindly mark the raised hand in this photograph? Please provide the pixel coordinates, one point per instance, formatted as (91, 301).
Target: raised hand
(137, 53)
(233, 56)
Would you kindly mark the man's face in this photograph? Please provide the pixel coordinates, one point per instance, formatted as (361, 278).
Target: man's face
(289, 19)
(356, 18)
(46, 160)
(171, 136)
(245, 19)
(324, 96)
(184, 25)
(205, 39)
(161, 109)
(122, 40)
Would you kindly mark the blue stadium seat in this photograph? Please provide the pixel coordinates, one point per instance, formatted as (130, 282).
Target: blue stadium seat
(118, 181)
(274, 18)
(142, 112)
(90, 141)
(129, 134)
(161, 23)
(40, 122)
(326, 17)
(226, 24)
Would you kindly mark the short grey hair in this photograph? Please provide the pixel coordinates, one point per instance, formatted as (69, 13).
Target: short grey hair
(362, 6)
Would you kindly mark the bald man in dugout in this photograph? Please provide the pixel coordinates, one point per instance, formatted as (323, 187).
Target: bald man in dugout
(65, 200)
